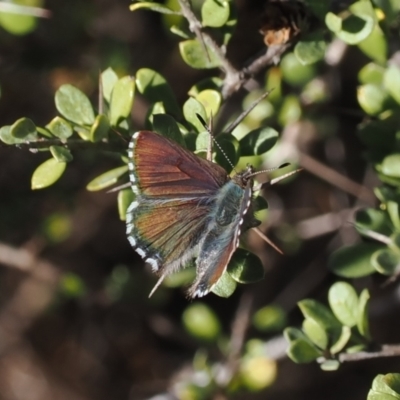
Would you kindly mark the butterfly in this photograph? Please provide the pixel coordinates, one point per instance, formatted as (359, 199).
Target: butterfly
(185, 207)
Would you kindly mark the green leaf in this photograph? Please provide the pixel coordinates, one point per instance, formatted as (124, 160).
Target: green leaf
(155, 88)
(107, 179)
(108, 79)
(190, 109)
(215, 13)
(258, 141)
(292, 334)
(316, 333)
(7, 138)
(393, 382)
(372, 98)
(166, 125)
(393, 211)
(342, 341)
(214, 83)
(61, 154)
(301, 351)
(391, 165)
(371, 73)
(358, 25)
(386, 261)
(395, 242)
(44, 132)
(330, 365)
(333, 22)
(74, 105)
(18, 24)
(229, 154)
(71, 285)
(290, 111)
(310, 49)
(122, 99)
(372, 220)
(47, 173)
(375, 45)
(353, 261)
(60, 128)
(294, 73)
(125, 198)
(245, 267)
(211, 101)
(269, 318)
(24, 128)
(319, 313)
(391, 81)
(100, 128)
(362, 316)
(194, 55)
(156, 108)
(201, 322)
(385, 387)
(343, 301)
(225, 286)
(147, 5)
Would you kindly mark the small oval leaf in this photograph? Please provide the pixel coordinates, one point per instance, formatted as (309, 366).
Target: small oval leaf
(166, 125)
(61, 154)
(386, 261)
(302, 352)
(195, 56)
(225, 286)
(24, 128)
(100, 128)
(125, 198)
(60, 128)
(121, 99)
(107, 179)
(343, 301)
(353, 261)
(258, 141)
(201, 322)
(47, 173)
(215, 13)
(74, 105)
(108, 79)
(245, 267)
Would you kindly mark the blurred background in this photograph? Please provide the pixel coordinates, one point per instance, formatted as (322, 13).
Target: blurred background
(75, 319)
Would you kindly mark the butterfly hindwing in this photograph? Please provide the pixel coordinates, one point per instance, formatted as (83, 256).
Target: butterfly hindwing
(222, 238)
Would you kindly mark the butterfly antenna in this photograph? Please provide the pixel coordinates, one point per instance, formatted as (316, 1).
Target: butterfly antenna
(265, 238)
(275, 180)
(207, 128)
(245, 113)
(159, 282)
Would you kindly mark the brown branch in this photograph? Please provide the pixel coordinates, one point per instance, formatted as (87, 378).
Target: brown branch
(234, 79)
(335, 178)
(385, 350)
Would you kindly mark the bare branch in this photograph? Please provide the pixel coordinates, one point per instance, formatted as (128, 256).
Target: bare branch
(385, 350)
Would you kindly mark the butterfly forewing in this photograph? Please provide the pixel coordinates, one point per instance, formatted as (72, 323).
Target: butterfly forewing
(161, 168)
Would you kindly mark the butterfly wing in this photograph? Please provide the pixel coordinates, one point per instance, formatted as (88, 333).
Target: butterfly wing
(222, 238)
(174, 189)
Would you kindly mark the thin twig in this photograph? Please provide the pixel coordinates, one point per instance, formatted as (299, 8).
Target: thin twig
(336, 179)
(386, 350)
(12, 8)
